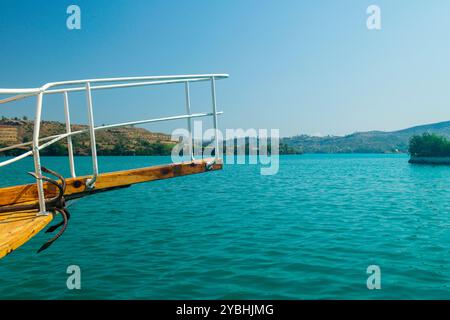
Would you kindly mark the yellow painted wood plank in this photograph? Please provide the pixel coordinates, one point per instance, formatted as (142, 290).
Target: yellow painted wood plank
(19, 227)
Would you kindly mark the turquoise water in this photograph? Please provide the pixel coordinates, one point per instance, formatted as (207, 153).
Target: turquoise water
(308, 232)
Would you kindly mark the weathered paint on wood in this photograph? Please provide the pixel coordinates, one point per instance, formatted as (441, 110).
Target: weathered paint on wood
(77, 186)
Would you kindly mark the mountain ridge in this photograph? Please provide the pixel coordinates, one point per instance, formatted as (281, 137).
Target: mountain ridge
(373, 141)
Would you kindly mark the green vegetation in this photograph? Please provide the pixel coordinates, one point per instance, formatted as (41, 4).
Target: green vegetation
(286, 149)
(429, 145)
(283, 148)
(142, 148)
(127, 141)
(123, 141)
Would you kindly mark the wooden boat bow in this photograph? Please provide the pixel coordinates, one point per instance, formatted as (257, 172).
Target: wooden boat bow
(27, 209)
(17, 227)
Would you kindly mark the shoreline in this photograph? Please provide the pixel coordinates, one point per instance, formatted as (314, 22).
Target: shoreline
(430, 160)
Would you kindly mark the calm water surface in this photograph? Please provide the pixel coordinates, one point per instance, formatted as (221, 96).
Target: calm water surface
(308, 232)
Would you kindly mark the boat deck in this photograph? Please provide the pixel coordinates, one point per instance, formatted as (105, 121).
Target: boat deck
(19, 227)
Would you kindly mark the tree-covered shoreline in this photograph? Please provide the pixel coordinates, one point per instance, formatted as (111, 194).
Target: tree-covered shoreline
(429, 145)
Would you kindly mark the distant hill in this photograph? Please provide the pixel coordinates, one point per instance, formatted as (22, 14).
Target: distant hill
(119, 141)
(138, 141)
(365, 142)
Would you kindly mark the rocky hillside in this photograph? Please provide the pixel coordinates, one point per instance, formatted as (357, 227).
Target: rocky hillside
(119, 141)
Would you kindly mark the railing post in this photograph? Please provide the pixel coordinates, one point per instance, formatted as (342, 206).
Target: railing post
(69, 138)
(189, 120)
(214, 106)
(91, 182)
(36, 156)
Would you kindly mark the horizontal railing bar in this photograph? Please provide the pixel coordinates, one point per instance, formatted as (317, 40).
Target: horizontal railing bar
(18, 97)
(56, 138)
(20, 91)
(123, 85)
(23, 155)
(126, 79)
(111, 86)
(123, 124)
(25, 144)
(25, 93)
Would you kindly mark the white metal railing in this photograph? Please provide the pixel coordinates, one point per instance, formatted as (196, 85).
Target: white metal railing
(89, 85)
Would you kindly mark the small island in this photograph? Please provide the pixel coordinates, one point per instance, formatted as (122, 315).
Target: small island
(429, 148)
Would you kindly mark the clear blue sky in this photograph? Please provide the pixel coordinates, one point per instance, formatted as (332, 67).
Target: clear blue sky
(300, 66)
